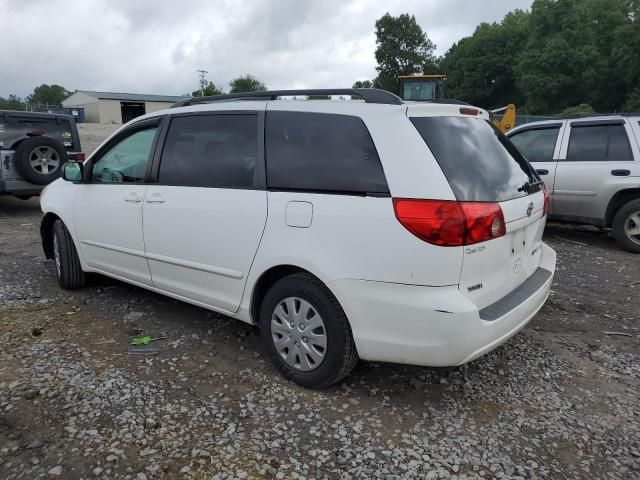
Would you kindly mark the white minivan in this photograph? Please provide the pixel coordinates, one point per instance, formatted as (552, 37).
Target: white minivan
(371, 228)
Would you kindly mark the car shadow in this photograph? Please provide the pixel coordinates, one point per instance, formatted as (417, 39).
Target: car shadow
(11, 206)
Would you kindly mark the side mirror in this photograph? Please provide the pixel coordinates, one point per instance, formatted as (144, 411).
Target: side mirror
(72, 171)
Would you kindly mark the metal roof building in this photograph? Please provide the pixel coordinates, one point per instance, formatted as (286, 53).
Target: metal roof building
(114, 107)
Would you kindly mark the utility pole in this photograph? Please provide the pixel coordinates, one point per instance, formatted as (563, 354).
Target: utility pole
(203, 81)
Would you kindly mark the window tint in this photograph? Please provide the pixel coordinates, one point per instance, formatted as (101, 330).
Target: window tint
(597, 143)
(17, 128)
(127, 160)
(480, 163)
(211, 151)
(321, 152)
(536, 145)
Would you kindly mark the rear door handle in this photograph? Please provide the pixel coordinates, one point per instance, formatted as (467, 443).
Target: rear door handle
(620, 173)
(155, 198)
(133, 197)
(542, 171)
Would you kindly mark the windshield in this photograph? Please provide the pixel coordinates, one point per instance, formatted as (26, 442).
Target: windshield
(480, 163)
(419, 90)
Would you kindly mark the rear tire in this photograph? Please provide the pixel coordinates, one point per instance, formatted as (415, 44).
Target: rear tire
(626, 226)
(312, 318)
(39, 159)
(65, 256)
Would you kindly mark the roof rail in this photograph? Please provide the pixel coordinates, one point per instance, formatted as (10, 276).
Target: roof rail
(571, 116)
(369, 95)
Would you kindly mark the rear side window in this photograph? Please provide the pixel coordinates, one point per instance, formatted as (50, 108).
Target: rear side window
(536, 145)
(480, 163)
(598, 143)
(321, 152)
(211, 151)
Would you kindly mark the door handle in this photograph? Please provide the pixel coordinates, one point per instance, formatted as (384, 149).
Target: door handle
(621, 173)
(132, 197)
(542, 171)
(155, 198)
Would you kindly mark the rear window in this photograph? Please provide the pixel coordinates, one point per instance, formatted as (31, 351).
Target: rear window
(598, 143)
(323, 153)
(19, 127)
(480, 163)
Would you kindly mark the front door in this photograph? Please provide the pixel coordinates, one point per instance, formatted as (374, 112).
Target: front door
(204, 218)
(108, 208)
(540, 144)
(592, 160)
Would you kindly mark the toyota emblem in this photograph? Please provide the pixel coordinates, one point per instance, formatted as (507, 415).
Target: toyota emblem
(530, 209)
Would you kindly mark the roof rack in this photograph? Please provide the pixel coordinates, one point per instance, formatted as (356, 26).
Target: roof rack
(588, 115)
(369, 95)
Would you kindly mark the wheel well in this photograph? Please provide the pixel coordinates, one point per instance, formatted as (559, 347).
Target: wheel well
(618, 200)
(266, 281)
(46, 233)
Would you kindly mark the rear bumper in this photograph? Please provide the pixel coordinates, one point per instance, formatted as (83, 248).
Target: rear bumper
(19, 187)
(435, 326)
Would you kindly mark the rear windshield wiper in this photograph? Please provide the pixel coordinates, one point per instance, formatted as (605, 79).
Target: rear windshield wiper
(529, 186)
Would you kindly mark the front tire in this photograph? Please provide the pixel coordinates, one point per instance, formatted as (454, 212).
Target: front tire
(65, 256)
(626, 226)
(306, 332)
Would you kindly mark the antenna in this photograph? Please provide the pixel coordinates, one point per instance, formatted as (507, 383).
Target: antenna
(203, 80)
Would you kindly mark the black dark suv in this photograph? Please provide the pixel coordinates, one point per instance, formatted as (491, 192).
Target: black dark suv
(33, 147)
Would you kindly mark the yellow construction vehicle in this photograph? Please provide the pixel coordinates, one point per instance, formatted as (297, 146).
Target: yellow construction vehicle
(426, 88)
(508, 119)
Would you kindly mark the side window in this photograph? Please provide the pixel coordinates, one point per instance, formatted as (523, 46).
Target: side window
(211, 151)
(597, 143)
(321, 152)
(127, 160)
(537, 145)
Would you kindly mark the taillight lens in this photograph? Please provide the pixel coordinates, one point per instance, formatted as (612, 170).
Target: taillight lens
(79, 157)
(547, 200)
(450, 223)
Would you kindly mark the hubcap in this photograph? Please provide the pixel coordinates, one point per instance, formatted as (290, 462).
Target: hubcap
(44, 160)
(56, 254)
(298, 333)
(632, 227)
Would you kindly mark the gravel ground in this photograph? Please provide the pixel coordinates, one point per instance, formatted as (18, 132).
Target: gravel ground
(560, 400)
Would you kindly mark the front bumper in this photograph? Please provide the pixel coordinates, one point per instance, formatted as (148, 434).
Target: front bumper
(434, 326)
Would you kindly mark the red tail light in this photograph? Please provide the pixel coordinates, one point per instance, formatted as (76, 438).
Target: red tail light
(450, 223)
(547, 200)
(77, 157)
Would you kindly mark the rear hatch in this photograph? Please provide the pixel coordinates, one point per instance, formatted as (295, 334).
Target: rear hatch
(483, 167)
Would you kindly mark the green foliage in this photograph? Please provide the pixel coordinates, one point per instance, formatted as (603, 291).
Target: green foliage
(633, 101)
(48, 95)
(582, 108)
(560, 54)
(363, 84)
(402, 48)
(479, 68)
(246, 83)
(209, 91)
(12, 102)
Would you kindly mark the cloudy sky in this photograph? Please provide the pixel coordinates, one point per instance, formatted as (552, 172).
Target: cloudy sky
(156, 46)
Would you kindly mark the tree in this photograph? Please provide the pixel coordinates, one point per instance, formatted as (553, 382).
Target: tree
(209, 91)
(13, 102)
(246, 83)
(48, 95)
(363, 84)
(572, 55)
(480, 69)
(402, 48)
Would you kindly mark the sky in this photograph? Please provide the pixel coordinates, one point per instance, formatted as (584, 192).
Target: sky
(156, 46)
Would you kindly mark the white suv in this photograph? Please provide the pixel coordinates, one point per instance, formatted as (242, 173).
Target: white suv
(375, 229)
